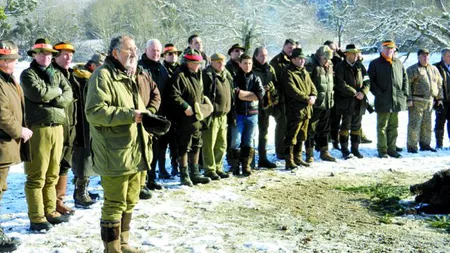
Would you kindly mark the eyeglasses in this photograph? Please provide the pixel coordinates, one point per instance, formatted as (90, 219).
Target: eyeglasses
(130, 50)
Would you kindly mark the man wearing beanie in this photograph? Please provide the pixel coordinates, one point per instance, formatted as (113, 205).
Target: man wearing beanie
(300, 97)
(61, 62)
(119, 142)
(47, 93)
(321, 71)
(14, 134)
(425, 85)
(389, 85)
(249, 92)
(185, 94)
(217, 83)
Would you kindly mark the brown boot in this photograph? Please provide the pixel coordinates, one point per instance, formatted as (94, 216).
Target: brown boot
(125, 235)
(325, 155)
(289, 158)
(61, 188)
(110, 232)
(310, 155)
(298, 159)
(246, 158)
(233, 160)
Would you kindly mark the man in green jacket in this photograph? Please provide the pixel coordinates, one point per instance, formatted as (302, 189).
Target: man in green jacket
(443, 115)
(114, 111)
(14, 134)
(389, 85)
(185, 93)
(217, 83)
(300, 96)
(320, 70)
(47, 93)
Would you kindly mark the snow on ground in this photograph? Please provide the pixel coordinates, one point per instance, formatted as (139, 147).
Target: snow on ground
(178, 218)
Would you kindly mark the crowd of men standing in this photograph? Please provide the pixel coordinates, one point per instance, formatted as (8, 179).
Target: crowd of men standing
(94, 117)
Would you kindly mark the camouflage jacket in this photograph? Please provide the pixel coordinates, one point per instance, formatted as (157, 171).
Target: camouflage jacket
(322, 78)
(425, 82)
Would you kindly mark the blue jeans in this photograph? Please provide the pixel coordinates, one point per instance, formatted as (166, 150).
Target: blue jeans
(242, 134)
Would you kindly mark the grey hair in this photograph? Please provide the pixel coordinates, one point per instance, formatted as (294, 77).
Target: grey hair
(444, 51)
(257, 50)
(116, 42)
(150, 42)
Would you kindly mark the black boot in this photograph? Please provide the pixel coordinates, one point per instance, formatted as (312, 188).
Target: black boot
(246, 159)
(184, 177)
(196, 176)
(344, 147)
(233, 159)
(8, 244)
(439, 134)
(356, 139)
(80, 194)
(264, 162)
(151, 183)
(334, 135)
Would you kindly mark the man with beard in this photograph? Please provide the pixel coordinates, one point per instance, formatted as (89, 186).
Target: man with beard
(280, 63)
(320, 69)
(14, 134)
(150, 63)
(185, 94)
(389, 85)
(47, 92)
(351, 89)
(114, 111)
(268, 107)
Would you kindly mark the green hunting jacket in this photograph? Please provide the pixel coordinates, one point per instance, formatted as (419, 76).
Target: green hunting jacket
(323, 79)
(298, 87)
(47, 92)
(119, 144)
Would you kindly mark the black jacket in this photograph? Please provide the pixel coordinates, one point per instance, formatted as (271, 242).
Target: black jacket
(248, 82)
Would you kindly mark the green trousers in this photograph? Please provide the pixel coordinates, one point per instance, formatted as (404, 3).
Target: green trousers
(42, 172)
(215, 144)
(387, 131)
(419, 124)
(121, 195)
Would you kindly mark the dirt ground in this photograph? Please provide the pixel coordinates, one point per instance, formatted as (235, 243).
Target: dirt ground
(278, 211)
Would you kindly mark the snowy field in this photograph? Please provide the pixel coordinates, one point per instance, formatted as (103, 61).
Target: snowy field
(212, 218)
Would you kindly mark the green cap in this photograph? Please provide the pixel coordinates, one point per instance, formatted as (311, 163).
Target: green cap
(297, 52)
(218, 57)
(41, 45)
(423, 51)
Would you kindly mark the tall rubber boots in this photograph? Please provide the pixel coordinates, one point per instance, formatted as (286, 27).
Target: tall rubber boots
(61, 189)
